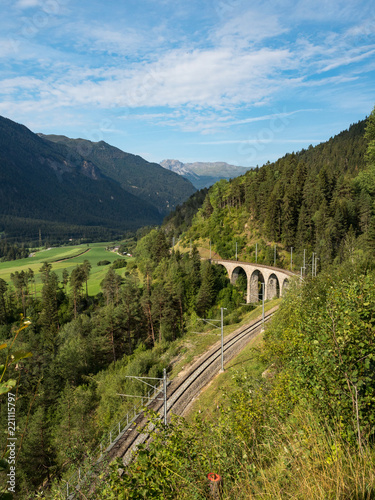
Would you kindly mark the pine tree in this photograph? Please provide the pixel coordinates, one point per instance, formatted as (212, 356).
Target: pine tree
(3, 305)
(111, 286)
(370, 136)
(86, 268)
(205, 295)
(49, 315)
(77, 279)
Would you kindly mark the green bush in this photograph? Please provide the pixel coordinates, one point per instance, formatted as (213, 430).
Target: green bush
(119, 263)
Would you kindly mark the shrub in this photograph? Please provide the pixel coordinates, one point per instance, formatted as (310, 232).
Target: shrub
(119, 263)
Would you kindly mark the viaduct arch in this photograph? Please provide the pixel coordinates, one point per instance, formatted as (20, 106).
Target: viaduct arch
(276, 280)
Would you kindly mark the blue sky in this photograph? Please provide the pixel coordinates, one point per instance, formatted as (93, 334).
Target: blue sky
(225, 80)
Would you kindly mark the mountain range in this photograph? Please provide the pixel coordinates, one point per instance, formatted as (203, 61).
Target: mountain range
(67, 187)
(204, 174)
(135, 175)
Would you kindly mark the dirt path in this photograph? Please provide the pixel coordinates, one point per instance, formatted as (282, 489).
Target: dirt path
(73, 256)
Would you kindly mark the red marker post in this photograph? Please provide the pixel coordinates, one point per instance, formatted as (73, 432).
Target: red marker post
(214, 483)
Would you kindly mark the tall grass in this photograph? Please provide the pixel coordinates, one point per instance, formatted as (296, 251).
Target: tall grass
(302, 459)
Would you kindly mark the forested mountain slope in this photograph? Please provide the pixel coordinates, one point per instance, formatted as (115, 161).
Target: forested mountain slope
(46, 185)
(148, 181)
(308, 199)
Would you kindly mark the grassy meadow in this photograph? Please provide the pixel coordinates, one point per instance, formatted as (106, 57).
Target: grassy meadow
(66, 258)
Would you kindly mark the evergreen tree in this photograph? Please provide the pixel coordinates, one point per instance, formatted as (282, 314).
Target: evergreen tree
(65, 278)
(86, 268)
(3, 305)
(77, 279)
(111, 287)
(49, 315)
(370, 136)
(205, 295)
(133, 317)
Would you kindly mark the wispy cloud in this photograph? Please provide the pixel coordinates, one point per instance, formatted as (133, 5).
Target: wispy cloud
(247, 28)
(26, 4)
(259, 141)
(185, 67)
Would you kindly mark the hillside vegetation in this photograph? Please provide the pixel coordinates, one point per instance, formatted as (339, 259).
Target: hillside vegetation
(305, 428)
(316, 200)
(84, 341)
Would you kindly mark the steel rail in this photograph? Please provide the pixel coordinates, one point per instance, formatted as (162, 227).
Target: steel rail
(178, 396)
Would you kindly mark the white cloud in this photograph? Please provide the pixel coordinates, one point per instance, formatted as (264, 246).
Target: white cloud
(26, 4)
(207, 78)
(248, 27)
(347, 59)
(259, 141)
(245, 61)
(101, 38)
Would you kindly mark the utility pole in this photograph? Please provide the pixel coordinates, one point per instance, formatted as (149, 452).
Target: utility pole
(222, 338)
(157, 390)
(312, 265)
(291, 258)
(173, 242)
(222, 309)
(304, 260)
(316, 263)
(263, 284)
(165, 395)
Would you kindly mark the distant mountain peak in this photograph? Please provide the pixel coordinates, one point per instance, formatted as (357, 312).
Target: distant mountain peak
(204, 174)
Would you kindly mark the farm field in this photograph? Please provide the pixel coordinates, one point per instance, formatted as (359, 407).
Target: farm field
(66, 258)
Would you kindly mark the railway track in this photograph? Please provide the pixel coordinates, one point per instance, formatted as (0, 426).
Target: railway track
(183, 390)
(180, 394)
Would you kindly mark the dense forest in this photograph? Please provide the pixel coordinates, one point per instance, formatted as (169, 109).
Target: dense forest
(12, 251)
(83, 347)
(309, 200)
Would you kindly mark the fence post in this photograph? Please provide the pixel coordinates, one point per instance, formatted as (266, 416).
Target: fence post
(215, 485)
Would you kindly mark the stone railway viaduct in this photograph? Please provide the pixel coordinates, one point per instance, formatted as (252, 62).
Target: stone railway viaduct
(276, 280)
